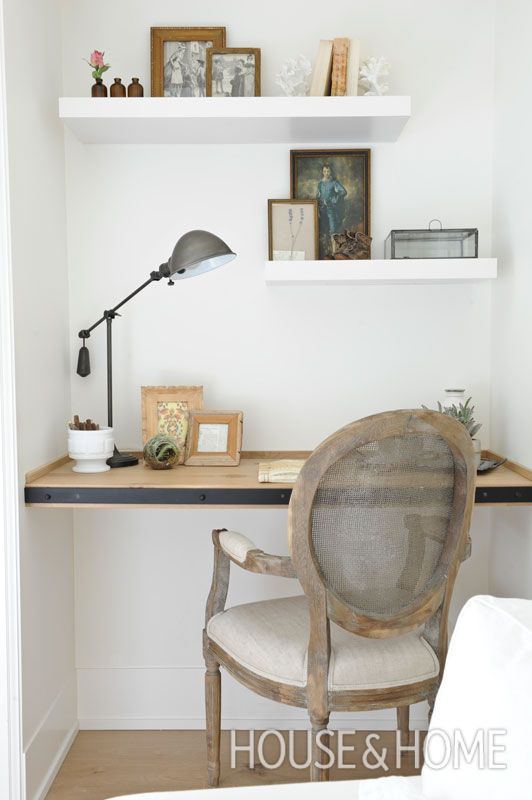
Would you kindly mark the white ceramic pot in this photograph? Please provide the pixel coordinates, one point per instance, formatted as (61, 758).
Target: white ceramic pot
(453, 397)
(90, 449)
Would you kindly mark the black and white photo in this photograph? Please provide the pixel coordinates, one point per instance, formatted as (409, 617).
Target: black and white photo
(233, 72)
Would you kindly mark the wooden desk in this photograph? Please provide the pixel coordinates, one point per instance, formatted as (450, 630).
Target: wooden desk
(56, 486)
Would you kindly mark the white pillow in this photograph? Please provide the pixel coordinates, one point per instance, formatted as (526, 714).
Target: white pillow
(487, 686)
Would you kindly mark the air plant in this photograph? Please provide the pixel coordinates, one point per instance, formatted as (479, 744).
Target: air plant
(463, 413)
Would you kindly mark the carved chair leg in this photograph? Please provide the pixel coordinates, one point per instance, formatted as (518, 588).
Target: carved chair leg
(213, 704)
(319, 756)
(403, 724)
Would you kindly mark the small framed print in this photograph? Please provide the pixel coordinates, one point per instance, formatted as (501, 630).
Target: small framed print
(214, 438)
(166, 410)
(233, 72)
(179, 59)
(292, 230)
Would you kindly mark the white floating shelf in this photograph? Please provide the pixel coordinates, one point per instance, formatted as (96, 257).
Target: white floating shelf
(350, 273)
(235, 120)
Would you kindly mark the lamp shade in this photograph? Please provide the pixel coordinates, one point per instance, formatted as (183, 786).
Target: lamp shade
(197, 252)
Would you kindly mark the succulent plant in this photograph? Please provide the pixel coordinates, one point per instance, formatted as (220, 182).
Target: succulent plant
(161, 452)
(464, 414)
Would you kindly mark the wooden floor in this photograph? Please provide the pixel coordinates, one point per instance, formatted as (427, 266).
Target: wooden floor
(102, 764)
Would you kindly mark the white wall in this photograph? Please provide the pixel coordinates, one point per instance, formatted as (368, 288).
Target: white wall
(511, 570)
(300, 362)
(32, 33)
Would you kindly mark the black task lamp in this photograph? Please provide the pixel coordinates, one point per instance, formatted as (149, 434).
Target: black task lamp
(194, 253)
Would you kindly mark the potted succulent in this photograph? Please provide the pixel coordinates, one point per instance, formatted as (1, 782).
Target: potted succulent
(463, 412)
(161, 452)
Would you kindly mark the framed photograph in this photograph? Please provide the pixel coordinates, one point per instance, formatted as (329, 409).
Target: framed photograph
(233, 72)
(292, 230)
(339, 180)
(179, 60)
(166, 409)
(214, 438)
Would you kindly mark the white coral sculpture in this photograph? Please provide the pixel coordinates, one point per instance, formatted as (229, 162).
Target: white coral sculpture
(294, 77)
(372, 74)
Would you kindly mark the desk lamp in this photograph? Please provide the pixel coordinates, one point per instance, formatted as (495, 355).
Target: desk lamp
(195, 252)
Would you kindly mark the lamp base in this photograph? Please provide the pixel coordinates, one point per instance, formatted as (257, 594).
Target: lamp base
(122, 460)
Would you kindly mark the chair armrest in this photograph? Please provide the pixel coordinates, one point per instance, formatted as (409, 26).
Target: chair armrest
(245, 553)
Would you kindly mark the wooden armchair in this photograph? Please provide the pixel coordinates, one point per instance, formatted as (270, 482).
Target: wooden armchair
(378, 523)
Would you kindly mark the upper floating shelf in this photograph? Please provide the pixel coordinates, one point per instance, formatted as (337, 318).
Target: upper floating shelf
(384, 271)
(235, 120)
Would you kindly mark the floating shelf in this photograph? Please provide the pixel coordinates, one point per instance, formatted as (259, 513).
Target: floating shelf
(347, 273)
(235, 120)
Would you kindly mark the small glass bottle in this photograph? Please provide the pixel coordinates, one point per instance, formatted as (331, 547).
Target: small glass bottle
(135, 88)
(453, 397)
(117, 88)
(99, 89)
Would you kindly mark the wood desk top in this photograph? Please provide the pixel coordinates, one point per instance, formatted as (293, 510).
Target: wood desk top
(57, 486)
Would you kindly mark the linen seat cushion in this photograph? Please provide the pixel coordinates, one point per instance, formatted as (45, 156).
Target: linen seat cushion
(270, 638)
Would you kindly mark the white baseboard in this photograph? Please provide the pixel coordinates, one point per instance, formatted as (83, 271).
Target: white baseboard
(51, 741)
(171, 698)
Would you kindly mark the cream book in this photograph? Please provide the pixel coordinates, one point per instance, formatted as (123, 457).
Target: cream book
(353, 67)
(321, 75)
(285, 470)
(339, 67)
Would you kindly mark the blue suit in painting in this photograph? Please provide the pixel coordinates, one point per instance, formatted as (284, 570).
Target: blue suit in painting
(330, 196)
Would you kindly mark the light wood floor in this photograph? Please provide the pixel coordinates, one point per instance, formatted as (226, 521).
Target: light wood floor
(102, 764)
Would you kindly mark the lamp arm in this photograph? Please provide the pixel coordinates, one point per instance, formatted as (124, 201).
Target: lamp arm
(156, 275)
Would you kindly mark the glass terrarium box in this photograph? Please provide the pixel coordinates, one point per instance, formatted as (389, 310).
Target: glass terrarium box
(432, 243)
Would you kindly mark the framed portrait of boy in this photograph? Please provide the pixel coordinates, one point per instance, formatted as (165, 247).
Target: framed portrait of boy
(339, 181)
(179, 60)
(292, 230)
(233, 72)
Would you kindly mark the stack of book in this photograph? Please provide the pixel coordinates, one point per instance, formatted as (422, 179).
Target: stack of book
(336, 68)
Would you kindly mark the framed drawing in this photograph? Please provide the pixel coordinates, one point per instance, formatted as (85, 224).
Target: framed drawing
(214, 438)
(178, 60)
(292, 230)
(340, 182)
(166, 409)
(233, 72)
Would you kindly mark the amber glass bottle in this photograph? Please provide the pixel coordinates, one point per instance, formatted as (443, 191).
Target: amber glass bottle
(135, 88)
(117, 88)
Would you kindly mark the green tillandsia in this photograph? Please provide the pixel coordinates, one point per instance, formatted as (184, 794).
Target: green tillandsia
(161, 452)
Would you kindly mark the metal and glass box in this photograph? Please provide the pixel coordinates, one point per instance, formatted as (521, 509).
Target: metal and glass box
(432, 243)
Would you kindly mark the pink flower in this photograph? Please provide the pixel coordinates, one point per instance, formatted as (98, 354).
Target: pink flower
(96, 59)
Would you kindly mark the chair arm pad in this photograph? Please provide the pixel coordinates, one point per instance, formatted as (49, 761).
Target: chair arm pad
(246, 554)
(236, 545)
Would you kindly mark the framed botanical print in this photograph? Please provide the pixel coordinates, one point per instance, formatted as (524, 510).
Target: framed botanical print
(233, 72)
(179, 59)
(292, 230)
(214, 438)
(339, 180)
(166, 409)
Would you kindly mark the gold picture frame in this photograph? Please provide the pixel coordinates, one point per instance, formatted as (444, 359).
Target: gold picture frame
(219, 82)
(180, 73)
(214, 438)
(340, 180)
(166, 410)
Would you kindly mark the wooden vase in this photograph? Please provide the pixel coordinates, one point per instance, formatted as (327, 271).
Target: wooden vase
(99, 89)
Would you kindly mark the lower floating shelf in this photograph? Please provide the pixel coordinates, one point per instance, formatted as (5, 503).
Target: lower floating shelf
(346, 273)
